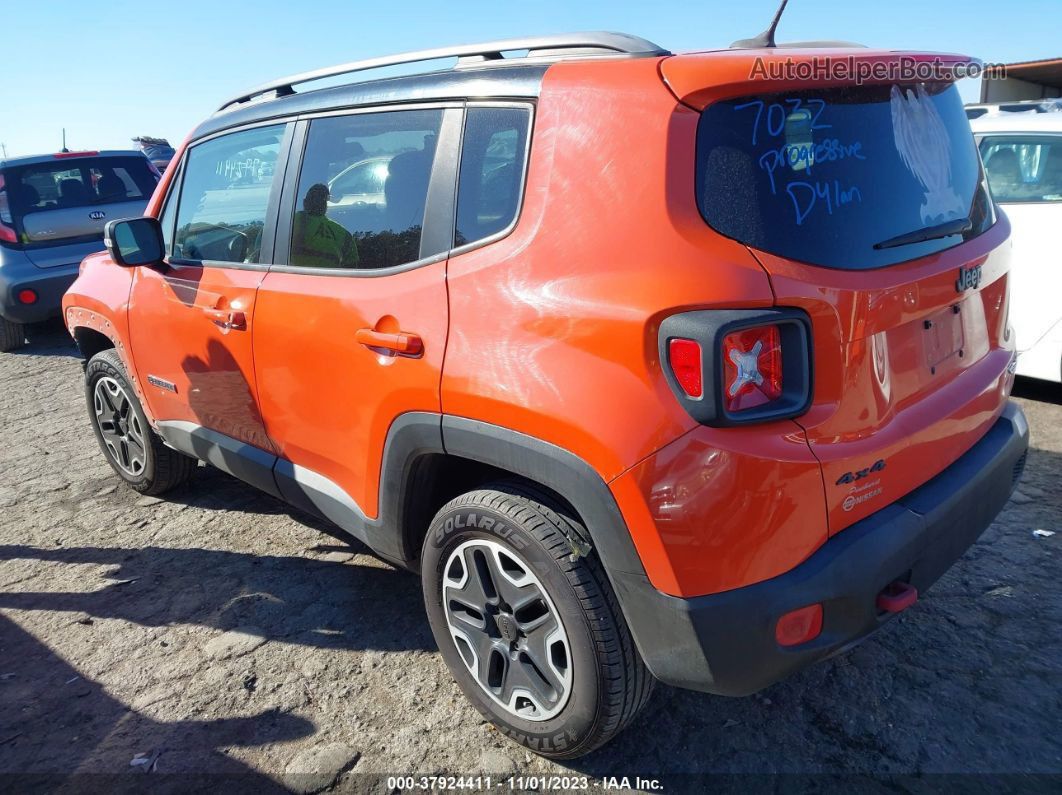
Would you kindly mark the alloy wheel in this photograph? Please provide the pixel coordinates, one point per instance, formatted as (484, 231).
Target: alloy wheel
(507, 630)
(119, 426)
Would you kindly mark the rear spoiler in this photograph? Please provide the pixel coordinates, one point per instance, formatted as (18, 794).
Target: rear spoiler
(698, 79)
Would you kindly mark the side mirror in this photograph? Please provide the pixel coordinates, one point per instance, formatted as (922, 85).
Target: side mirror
(134, 241)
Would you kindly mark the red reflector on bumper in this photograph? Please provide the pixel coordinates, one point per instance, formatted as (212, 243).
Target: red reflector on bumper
(27, 296)
(799, 626)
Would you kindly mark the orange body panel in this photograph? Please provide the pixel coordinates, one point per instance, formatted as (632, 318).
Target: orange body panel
(328, 399)
(173, 336)
(554, 329)
(876, 396)
(716, 509)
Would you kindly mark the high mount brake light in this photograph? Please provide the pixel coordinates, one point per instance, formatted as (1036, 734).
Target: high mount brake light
(752, 368)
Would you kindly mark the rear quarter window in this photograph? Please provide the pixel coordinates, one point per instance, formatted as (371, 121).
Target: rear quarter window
(823, 177)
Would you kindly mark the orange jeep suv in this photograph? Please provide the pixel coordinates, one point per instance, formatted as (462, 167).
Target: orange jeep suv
(680, 367)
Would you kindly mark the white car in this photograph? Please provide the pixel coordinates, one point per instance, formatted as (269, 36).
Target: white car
(1022, 154)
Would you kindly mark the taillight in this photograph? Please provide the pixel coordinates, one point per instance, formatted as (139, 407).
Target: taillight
(685, 358)
(752, 368)
(736, 366)
(7, 231)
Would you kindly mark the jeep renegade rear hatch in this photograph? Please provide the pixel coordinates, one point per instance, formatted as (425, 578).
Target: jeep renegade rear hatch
(865, 202)
(856, 177)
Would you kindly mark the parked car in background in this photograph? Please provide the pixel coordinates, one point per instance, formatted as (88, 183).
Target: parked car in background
(1023, 161)
(650, 367)
(52, 212)
(157, 150)
(977, 111)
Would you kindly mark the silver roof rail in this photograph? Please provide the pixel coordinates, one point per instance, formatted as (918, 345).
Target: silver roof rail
(596, 43)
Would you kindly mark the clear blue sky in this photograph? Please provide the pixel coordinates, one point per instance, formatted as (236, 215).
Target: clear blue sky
(111, 69)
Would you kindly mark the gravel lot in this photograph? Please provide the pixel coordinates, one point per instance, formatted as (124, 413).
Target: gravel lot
(218, 631)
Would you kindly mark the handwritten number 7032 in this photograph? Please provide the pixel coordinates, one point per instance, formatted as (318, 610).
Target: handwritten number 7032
(774, 115)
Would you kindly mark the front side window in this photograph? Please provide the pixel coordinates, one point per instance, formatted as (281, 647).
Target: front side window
(225, 196)
(363, 188)
(1024, 168)
(492, 170)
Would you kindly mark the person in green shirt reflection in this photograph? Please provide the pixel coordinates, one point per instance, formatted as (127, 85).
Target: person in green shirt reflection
(316, 240)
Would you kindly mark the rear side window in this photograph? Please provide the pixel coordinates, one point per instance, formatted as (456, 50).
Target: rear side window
(492, 171)
(1024, 168)
(63, 187)
(225, 196)
(842, 177)
(363, 189)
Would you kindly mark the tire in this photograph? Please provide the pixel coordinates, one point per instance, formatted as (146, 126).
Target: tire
(118, 420)
(12, 335)
(560, 693)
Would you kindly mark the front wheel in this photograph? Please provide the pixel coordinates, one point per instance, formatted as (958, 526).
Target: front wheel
(132, 448)
(527, 624)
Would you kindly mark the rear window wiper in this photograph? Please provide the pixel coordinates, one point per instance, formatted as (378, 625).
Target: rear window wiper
(959, 226)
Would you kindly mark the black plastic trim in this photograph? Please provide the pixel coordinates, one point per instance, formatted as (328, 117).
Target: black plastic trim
(49, 283)
(557, 469)
(724, 643)
(241, 460)
(708, 327)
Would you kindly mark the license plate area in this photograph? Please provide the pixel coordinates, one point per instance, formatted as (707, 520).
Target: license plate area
(943, 337)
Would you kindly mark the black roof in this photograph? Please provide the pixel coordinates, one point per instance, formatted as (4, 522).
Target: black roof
(493, 82)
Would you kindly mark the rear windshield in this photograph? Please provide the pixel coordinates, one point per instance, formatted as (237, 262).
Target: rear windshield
(81, 182)
(845, 178)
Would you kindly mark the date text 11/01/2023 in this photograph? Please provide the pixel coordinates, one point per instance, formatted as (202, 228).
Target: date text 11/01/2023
(522, 783)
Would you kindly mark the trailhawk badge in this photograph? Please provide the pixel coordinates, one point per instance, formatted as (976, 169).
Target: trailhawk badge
(968, 279)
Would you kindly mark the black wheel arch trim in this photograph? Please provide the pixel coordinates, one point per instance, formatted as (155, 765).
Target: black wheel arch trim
(416, 434)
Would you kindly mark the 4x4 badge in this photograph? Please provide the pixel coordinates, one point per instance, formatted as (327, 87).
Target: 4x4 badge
(851, 477)
(968, 279)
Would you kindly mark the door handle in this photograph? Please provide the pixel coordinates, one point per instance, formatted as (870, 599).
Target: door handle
(226, 319)
(400, 342)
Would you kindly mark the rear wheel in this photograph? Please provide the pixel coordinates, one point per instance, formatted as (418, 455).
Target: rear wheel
(529, 626)
(132, 448)
(12, 335)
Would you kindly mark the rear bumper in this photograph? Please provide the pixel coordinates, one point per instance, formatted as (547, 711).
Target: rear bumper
(49, 284)
(725, 643)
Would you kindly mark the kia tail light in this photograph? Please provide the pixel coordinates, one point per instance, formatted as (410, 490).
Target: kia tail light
(7, 221)
(733, 367)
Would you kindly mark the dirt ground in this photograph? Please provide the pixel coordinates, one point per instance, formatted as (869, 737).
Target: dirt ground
(219, 632)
